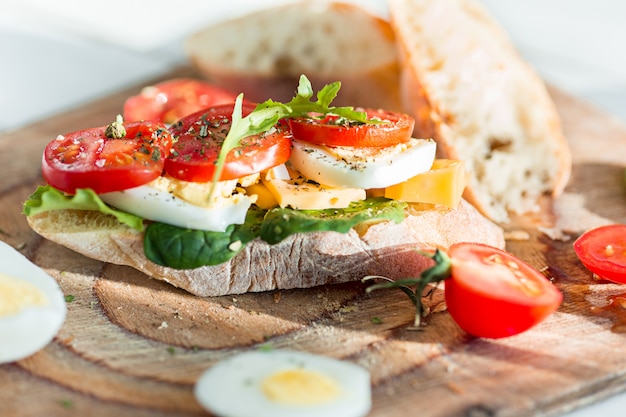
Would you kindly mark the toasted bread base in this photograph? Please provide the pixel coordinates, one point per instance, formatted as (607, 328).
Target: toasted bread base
(300, 261)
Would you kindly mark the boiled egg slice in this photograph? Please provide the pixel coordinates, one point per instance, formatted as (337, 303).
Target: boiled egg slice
(362, 167)
(158, 201)
(281, 383)
(32, 306)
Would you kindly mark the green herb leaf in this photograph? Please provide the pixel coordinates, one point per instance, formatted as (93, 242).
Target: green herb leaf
(280, 223)
(46, 198)
(440, 271)
(186, 249)
(301, 105)
(66, 403)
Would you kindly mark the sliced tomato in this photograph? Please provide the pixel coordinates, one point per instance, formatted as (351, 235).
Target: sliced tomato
(90, 159)
(331, 130)
(602, 250)
(168, 101)
(493, 294)
(199, 140)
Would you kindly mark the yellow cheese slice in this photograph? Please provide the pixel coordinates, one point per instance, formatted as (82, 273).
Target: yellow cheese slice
(301, 194)
(443, 184)
(265, 198)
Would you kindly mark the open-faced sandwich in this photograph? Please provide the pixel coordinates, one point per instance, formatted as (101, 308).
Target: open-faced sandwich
(244, 197)
(240, 197)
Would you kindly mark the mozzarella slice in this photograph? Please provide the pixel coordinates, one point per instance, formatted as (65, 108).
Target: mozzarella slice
(162, 206)
(363, 167)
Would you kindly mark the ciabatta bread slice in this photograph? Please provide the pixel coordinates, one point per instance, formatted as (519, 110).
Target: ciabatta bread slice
(471, 91)
(263, 54)
(300, 261)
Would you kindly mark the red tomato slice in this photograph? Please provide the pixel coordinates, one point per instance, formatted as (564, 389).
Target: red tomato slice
(199, 139)
(493, 294)
(89, 159)
(332, 131)
(603, 251)
(168, 101)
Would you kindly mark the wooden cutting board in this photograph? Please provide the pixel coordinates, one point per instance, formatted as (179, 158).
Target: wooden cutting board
(132, 346)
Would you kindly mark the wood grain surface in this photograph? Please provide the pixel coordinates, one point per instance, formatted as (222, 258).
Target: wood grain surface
(133, 346)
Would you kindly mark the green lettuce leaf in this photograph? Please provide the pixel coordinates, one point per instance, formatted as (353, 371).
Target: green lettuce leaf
(46, 198)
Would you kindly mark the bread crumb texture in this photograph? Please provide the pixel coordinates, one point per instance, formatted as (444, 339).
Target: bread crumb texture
(485, 104)
(313, 37)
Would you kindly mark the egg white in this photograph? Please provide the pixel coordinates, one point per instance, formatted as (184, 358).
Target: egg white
(162, 206)
(232, 388)
(362, 167)
(33, 327)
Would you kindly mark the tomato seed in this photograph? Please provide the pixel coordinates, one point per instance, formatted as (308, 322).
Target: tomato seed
(608, 250)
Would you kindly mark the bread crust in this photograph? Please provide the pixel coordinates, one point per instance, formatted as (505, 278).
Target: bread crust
(300, 261)
(325, 40)
(470, 90)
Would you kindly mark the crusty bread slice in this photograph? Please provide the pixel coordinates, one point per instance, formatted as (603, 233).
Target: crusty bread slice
(301, 261)
(264, 53)
(470, 90)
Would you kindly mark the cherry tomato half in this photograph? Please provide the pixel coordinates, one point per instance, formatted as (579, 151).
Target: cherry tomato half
(493, 294)
(602, 250)
(199, 139)
(170, 100)
(90, 159)
(330, 130)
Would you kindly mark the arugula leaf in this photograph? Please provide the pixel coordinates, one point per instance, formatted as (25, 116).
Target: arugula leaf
(181, 248)
(280, 223)
(301, 105)
(46, 198)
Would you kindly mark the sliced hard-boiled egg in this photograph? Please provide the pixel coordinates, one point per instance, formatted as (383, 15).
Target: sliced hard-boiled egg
(158, 201)
(32, 306)
(279, 383)
(362, 167)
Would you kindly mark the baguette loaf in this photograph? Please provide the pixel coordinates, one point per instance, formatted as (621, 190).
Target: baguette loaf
(264, 53)
(470, 90)
(300, 261)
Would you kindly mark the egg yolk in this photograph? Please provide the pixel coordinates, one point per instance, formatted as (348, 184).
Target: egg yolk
(300, 387)
(16, 295)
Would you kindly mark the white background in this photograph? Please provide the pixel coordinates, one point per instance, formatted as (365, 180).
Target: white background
(56, 55)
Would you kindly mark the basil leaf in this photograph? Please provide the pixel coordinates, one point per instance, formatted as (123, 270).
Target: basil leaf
(280, 223)
(182, 248)
(46, 198)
